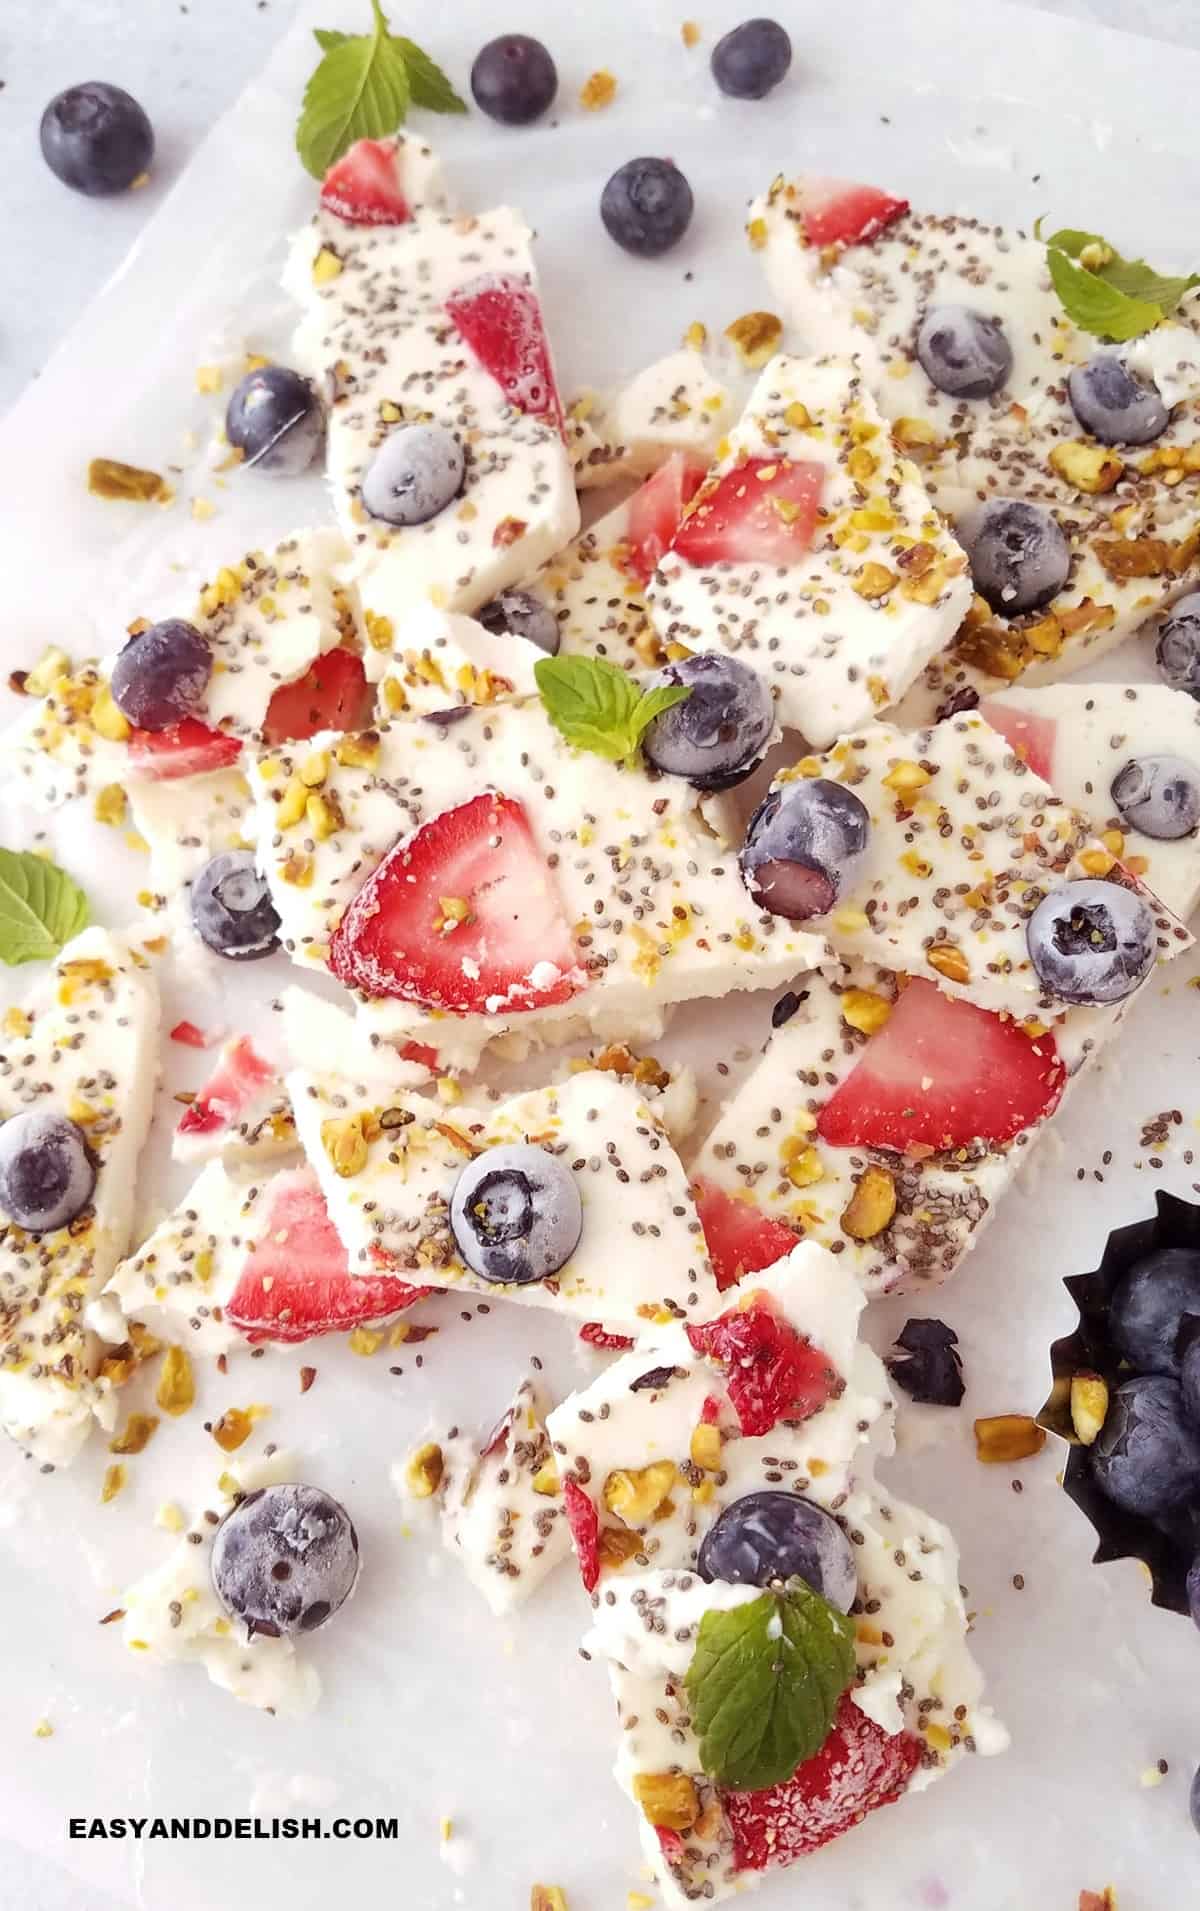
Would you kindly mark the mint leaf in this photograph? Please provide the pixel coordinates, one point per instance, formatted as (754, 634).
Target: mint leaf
(327, 38)
(40, 908)
(1140, 281)
(430, 87)
(598, 707)
(764, 1684)
(363, 88)
(1114, 298)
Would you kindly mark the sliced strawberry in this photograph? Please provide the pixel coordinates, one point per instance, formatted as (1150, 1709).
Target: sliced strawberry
(597, 1336)
(1031, 736)
(363, 187)
(295, 1283)
(741, 1239)
(498, 315)
(655, 512)
(859, 1768)
(772, 1373)
(333, 694)
(239, 1076)
(671, 1842)
(839, 212)
(187, 749)
(189, 1035)
(942, 1073)
(584, 1522)
(419, 1052)
(462, 916)
(762, 512)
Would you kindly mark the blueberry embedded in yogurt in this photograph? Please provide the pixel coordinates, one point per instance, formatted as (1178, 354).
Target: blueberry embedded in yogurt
(47, 1174)
(274, 419)
(516, 1214)
(1091, 942)
(161, 675)
(417, 471)
(1152, 1303)
(749, 61)
(285, 1559)
(1019, 556)
(963, 352)
(513, 79)
(232, 909)
(1177, 652)
(766, 1537)
(1159, 796)
(521, 614)
(96, 138)
(1113, 405)
(647, 206)
(720, 732)
(1146, 1459)
(802, 847)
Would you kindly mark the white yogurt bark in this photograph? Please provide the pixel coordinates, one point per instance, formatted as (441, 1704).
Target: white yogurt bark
(86, 1046)
(444, 661)
(841, 626)
(660, 1435)
(241, 1112)
(497, 1501)
(388, 1171)
(675, 404)
(186, 821)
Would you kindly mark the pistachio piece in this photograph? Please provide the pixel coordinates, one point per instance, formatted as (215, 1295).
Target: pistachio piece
(1089, 1405)
(635, 1494)
(872, 1205)
(1004, 1437)
(668, 1799)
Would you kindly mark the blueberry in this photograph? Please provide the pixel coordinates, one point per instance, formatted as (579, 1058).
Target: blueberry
(1149, 1306)
(1019, 556)
(46, 1171)
(1193, 1599)
(1189, 1369)
(929, 1367)
(1091, 942)
(767, 1536)
(720, 732)
(285, 1559)
(513, 79)
(521, 614)
(1146, 1459)
(275, 420)
(803, 846)
(232, 909)
(516, 1214)
(963, 352)
(1177, 652)
(647, 206)
(96, 138)
(417, 471)
(160, 675)
(1113, 405)
(752, 59)
(1159, 796)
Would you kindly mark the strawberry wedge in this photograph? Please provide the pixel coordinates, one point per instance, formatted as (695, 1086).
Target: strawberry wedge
(189, 748)
(741, 1239)
(236, 1082)
(841, 212)
(764, 511)
(654, 513)
(364, 187)
(771, 1372)
(500, 318)
(1031, 734)
(333, 694)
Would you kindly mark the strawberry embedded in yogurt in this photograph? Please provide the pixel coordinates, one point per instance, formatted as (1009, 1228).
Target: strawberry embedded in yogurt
(189, 748)
(236, 1082)
(741, 1239)
(1030, 734)
(654, 513)
(500, 318)
(841, 212)
(762, 512)
(771, 1372)
(333, 694)
(365, 186)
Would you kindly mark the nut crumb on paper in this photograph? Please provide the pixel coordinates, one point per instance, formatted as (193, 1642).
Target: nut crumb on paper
(598, 91)
(689, 33)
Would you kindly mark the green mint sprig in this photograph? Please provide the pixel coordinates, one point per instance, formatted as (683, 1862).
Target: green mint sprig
(363, 89)
(598, 707)
(1103, 293)
(41, 908)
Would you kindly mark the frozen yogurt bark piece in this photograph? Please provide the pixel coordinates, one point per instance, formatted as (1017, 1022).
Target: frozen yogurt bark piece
(84, 1052)
(677, 404)
(812, 551)
(240, 1114)
(775, 1397)
(442, 661)
(186, 821)
(587, 1189)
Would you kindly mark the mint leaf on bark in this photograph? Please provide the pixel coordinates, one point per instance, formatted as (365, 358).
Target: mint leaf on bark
(598, 707)
(430, 87)
(1103, 293)
(363, 88)
(41, 908)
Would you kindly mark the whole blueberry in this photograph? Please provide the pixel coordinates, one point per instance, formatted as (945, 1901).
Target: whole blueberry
(1150, 1304)
(963, 352)
(47, 1173)
(522, 614)
(1177, 652)
(1113, 405)
(927, 1363)
(285, 1559)
(803, 846)
(751, 59)
(1146, 1458)
(771, 1536)
(160, 676)
(1019, 556)
(1091, 941)
(232, 909)
(417, 471)
(1189, 1369)
(1193, 1599)
(513, 79)
(647, 206)
(516, 1215)
(96, 138)
(275, 420)
(1159, 796)
(721, 730)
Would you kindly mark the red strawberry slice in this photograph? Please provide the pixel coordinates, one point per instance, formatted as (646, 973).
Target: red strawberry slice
(597, 1336)
(189, 1035)
(295, 1283)
(1031, 736)
(843, 213)
(364, 188)
(655, 512)
(503, 946)
(332, 695)
(584, 1522)
(187, 749)
(238, 1078)
(741, 1239)
(419, 1052)
(942, 1073)
(499, 317)
(859, 1768)
(772, 1373)
(762, 512)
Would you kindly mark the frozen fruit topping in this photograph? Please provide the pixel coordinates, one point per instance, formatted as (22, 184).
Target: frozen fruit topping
(1113, 405)
(1091, 941)
(275, 420)
(771, 1372)
(161, 674)
(47, 1173)
(763, 511)
(770, 1536)
(333, 694)
(417, 471)
(498, 316)
(654, 512)
(963, 352)
(840, 212)
(719, 735)
(803, 846)
(584, 1522)
(285, 1559)
(232, 909)
(740, 1238)
(516, 1214)
(363, 187)
(1159, 795)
